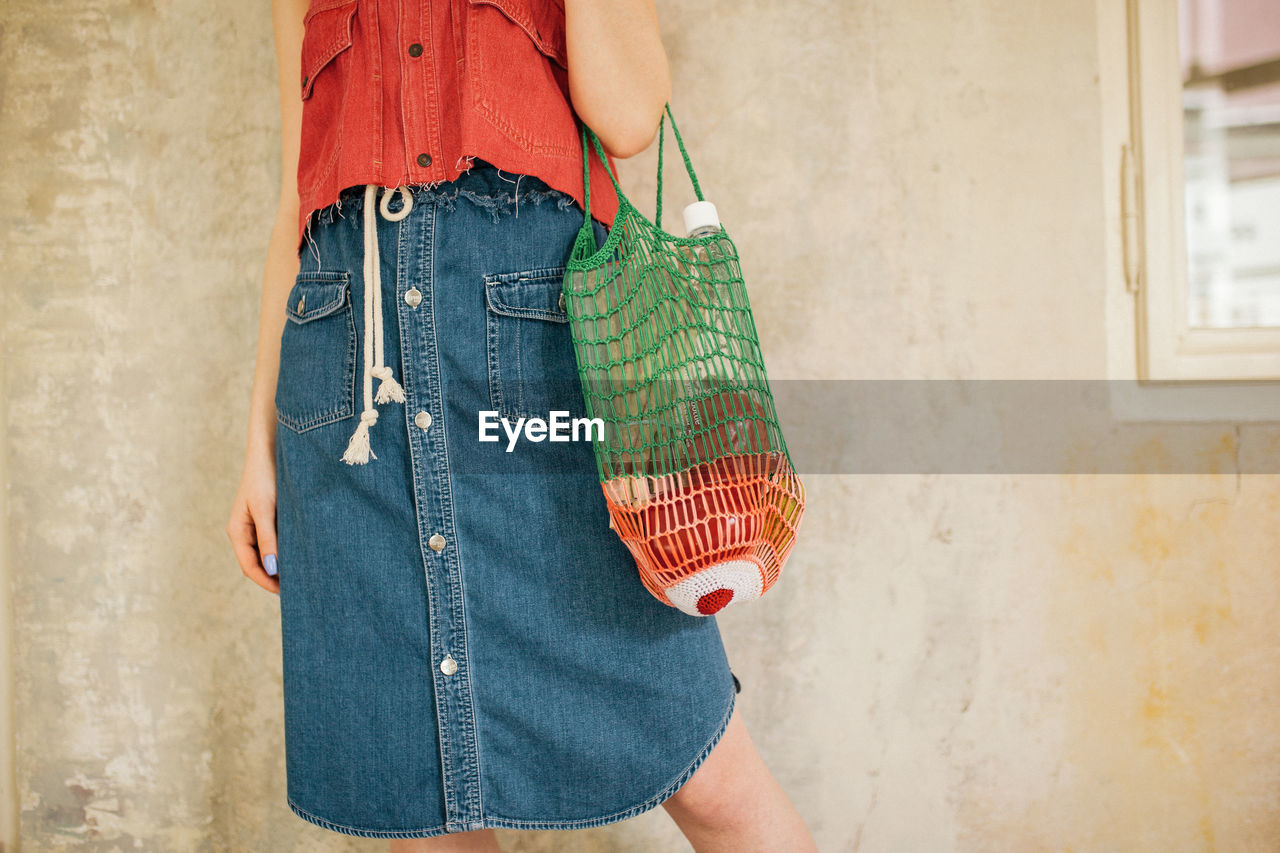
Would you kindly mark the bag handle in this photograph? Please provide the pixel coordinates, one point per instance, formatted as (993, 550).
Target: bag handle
(657, 219)
(586, 172)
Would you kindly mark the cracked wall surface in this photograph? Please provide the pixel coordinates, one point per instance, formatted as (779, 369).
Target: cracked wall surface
(949, 663)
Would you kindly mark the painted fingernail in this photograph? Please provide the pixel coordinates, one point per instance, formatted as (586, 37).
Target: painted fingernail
(270, 562)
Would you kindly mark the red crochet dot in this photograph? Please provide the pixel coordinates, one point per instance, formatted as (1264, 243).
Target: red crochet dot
(714, 600)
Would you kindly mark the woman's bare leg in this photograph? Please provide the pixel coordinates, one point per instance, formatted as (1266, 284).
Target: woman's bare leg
(732, 803)
(478, 841)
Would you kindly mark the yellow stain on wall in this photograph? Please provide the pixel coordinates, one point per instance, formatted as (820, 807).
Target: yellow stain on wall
(1163, 607)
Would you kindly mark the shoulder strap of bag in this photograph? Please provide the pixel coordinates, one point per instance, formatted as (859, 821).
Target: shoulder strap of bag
(595, 141)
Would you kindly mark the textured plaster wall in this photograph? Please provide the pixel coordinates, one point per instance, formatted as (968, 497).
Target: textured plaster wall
(951, 663)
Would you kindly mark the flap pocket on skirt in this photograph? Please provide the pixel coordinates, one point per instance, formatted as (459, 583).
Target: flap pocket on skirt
(316, 384)
(530, 293)
(532, 367)
(313, 298)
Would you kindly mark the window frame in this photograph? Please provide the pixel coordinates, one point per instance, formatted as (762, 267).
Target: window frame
(1142, 109)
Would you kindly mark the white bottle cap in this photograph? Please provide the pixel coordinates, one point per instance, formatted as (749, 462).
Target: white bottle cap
(699, 215)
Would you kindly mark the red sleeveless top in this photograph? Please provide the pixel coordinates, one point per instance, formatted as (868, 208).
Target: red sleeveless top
(408, 91)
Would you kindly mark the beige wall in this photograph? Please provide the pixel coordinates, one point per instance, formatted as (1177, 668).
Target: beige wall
(951, 663)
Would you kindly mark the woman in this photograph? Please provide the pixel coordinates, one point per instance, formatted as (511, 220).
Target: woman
(466, 643)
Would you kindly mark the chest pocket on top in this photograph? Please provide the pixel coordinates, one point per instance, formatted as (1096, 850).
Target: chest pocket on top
(532, 367)
(518, 71)
(327, 34)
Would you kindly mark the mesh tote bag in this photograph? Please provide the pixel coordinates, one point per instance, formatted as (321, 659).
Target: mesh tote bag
(694, 469)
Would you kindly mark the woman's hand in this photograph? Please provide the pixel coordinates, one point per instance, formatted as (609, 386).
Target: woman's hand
(252, 526)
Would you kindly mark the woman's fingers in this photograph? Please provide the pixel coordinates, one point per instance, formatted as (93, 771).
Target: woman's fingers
(264, 521)
(248, 542)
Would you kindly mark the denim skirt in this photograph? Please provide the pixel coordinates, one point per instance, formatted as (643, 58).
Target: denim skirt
(466, 642)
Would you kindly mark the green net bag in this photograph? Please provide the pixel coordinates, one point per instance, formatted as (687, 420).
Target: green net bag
(694, 469)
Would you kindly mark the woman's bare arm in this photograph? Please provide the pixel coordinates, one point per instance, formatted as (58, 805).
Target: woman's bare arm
(619, 79)
(282, 257)
(252, 525)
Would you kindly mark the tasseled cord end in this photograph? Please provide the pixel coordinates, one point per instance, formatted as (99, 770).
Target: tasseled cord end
(358, 450)
(389, 389)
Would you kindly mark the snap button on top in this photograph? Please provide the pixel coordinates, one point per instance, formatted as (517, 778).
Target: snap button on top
(448, 666)
(413, 296)
(436, 542)
(561, 302)
(415, 49)
(424, 159)
(302, 301)
(422, 419)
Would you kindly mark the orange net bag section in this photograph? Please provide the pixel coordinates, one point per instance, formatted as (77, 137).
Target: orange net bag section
(694, 469)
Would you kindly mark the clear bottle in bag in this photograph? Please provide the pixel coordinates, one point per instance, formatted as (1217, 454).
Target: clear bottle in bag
(715, 264)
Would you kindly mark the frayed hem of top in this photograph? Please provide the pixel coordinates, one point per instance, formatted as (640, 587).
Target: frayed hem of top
(446, 193)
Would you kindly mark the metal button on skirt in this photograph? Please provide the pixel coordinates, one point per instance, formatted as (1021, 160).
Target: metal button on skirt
(467, 644)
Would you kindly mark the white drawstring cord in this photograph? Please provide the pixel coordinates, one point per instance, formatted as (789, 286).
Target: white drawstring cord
(358, 450)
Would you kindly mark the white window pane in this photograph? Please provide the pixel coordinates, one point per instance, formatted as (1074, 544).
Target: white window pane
(1231, 102)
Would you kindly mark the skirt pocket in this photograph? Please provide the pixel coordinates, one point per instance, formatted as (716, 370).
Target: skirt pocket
(316, 384)
(532, 367)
